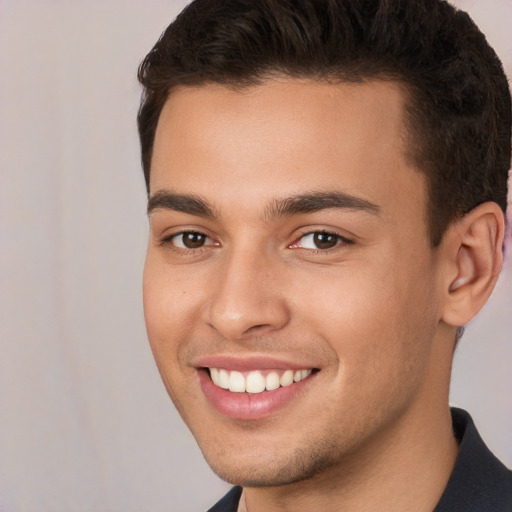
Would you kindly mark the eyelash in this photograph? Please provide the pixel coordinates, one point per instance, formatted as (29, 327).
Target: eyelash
(168, 241)
(340, 241)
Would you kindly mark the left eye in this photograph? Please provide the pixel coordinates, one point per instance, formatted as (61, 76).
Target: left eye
(318, 240)
(190, 240)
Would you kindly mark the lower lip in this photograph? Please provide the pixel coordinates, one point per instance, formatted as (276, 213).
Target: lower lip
(246, 406)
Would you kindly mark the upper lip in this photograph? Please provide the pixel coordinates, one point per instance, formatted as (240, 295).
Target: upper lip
(249, 363)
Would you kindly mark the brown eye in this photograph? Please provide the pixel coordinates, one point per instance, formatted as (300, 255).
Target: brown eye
(320, 241)
(325, 240)
(193, 240)
(189, 240)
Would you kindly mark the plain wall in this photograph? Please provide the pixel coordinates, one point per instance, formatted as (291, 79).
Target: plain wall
(85, 423)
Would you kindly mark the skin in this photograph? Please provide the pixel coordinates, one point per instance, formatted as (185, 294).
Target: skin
(374, 313)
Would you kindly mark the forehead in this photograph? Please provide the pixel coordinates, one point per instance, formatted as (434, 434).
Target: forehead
(283, 137)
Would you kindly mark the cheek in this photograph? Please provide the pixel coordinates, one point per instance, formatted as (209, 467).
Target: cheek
(170, 295)
(376, 321)
(169, 317)
(168, 310)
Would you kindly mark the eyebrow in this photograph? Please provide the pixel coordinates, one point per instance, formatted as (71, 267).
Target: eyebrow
(317, 201)
(185, 203)
(294, 205)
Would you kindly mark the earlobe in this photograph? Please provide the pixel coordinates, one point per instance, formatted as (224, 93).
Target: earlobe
(473, 250)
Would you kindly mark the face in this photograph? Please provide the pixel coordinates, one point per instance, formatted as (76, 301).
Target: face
(289, 286)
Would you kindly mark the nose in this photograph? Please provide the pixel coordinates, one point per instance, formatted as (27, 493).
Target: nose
(249, 299)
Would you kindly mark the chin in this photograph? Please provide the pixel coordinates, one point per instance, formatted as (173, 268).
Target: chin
(271, 469)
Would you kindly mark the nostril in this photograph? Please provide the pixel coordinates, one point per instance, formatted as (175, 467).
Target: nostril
(258, 329)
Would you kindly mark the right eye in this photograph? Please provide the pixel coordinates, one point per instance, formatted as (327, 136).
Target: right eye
(189, 240)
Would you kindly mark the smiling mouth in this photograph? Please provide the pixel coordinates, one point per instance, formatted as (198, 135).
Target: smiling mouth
(256, 381)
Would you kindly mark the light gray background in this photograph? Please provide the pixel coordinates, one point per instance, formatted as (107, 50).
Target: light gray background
(85, 424)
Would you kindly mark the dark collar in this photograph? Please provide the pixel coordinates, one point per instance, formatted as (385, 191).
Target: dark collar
(229, 503)
(479, 481)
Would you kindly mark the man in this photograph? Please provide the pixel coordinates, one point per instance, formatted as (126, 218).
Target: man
(327, 187)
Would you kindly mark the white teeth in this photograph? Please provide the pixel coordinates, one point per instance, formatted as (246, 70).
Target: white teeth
(236, 382)
(287, 378)
(255, 382)
(223, 379)
(272, 381)
(214, 374)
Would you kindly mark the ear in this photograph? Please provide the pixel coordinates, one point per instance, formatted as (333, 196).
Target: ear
(472, 249)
